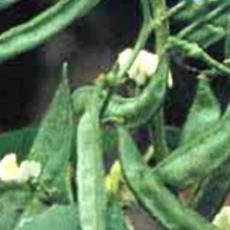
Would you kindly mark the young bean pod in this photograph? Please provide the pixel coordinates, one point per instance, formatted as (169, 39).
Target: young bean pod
(136, 111)
(90, 173)
(212, 192)
(198, 158)
(204, 112)
(150, 191)
(131, 112)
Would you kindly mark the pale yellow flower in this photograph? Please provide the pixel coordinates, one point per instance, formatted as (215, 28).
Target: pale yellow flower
(113, 179)
(143, 67)
(222, 219)
(10, 171)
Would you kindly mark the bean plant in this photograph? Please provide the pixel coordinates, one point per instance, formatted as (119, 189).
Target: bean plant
(83, 127)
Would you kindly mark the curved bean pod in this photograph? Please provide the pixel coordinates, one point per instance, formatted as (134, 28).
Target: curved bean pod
(158, 200)
(212, 192)
(198, 158)
(39, 29)
(133, 112)
(129, 111)
(204, 112)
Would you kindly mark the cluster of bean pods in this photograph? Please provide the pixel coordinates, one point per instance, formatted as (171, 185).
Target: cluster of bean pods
(84, 114)
(194, 160)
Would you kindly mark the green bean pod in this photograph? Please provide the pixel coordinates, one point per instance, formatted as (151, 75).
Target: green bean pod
(151, 193)
(39, 29)
(198, 158)
(90, 172)
(204, 112)
(212, 192)
(131, 112)
(81, 97)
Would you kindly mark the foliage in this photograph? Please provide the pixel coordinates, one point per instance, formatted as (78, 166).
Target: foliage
(83, 127)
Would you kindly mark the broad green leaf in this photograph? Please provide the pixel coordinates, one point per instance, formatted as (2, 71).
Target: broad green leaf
(204, 112)
(12, 203)
(58, 217)
(52, 148)
(52, 145)
(90, 172)
(17, 141)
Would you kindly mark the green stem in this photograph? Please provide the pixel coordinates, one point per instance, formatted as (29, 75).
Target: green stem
(194, 51)
(212, 15)
(161, 36)
(114, 78)
(227, 42)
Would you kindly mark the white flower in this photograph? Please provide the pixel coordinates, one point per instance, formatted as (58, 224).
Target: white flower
(11, 172)
(9, 169)
(222, 219)
(29, 169)
(143, 67)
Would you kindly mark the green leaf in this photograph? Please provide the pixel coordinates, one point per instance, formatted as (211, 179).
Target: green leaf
(52, 148)
(58, 217)
(12, 204)
(204, 112)
(52, 145)
(90, 172)
(17, 141)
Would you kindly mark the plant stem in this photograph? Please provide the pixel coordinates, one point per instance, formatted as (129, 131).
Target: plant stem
(161, 36)
(227, 41)
(194, 51)
(212, 15)
(114, 78)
